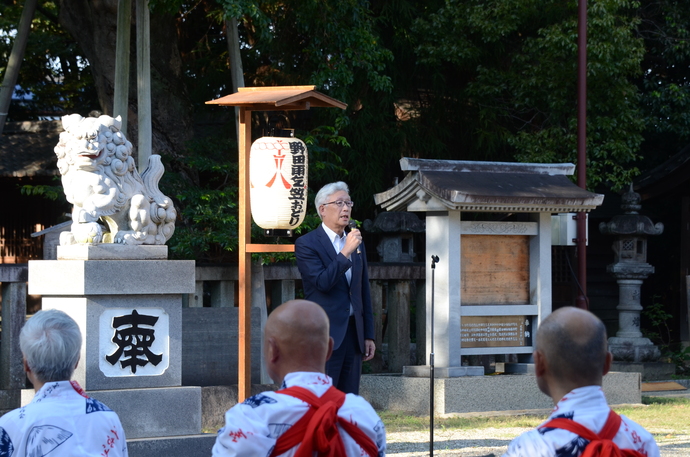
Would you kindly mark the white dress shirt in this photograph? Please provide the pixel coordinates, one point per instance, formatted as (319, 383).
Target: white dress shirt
(338, 244)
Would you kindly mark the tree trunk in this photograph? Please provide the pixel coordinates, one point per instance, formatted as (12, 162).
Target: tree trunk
(236, 68)
(93, 24)
(15, 61)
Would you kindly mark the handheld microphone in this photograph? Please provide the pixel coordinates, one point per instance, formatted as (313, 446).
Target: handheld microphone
(353, 225)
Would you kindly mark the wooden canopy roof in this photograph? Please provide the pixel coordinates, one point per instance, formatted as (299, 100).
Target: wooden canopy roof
(278, 98)
(440, 185)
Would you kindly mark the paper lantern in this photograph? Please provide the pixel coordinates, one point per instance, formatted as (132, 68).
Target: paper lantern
(278, 182)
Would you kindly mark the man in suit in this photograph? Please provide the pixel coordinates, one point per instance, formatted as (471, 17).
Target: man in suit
(334, 273)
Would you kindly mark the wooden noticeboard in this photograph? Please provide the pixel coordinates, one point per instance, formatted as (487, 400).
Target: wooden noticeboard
(495, 270)
(495, 331)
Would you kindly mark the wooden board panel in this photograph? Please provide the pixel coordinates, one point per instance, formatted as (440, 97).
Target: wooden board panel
(662, 386)
(495, 270)
(495, 331)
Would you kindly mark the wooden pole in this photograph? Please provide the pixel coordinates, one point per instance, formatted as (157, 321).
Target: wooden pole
(244, 369)
(582, 301)
(144, 83)
(15, 61)
(121, 97)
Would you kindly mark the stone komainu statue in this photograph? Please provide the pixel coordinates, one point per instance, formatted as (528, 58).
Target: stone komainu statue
(101, 180)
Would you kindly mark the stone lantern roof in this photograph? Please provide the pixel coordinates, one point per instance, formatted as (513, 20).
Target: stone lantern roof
(631, 223)
(442, 185)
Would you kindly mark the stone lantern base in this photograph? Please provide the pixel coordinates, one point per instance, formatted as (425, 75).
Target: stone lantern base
(633, 349)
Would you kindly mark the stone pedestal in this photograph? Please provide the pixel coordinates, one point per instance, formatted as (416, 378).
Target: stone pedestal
(127, 301)
(633, 350)
(629, 345)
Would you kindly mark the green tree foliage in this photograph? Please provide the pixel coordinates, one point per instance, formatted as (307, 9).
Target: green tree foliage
(207, 224)
(326, 43)
(454, 79)
(665, 82)
(321, 42)
(511, 73)
(55, 78)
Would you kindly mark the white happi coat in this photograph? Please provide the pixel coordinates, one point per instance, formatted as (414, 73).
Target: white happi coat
(253, 427)
(62, 421)
(587, 406)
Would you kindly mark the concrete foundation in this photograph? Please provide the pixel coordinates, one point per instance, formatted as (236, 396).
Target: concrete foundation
(147, 413)
(649, 371)
(422, 371)
(479, 393)
(157, 412)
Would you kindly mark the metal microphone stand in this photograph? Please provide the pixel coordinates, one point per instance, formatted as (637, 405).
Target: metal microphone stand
(434, 260)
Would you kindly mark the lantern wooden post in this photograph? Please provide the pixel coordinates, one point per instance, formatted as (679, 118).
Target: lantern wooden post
(244, 370)
(272, 98)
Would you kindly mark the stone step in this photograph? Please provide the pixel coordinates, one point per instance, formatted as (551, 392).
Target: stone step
(178, 446)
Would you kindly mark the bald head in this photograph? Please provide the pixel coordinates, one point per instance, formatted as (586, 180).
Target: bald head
(573, 341)
(296, 338)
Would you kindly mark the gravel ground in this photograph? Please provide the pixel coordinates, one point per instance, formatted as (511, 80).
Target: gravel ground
(485, 442)
(494, 441)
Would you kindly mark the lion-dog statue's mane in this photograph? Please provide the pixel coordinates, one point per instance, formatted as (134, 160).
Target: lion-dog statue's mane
(112, 202)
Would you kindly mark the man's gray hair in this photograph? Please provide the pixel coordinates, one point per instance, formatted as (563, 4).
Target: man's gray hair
(50, 342)
(326, 191)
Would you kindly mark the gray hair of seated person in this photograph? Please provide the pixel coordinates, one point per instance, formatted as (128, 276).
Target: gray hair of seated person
(328, 190)
(50, 342)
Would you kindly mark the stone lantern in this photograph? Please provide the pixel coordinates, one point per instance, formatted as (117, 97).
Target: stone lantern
(630, 268)
(397, 243)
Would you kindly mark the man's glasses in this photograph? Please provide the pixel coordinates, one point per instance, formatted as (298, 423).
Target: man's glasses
(340, 203)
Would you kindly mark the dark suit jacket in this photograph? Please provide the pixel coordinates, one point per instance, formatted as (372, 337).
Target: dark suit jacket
(324, 282)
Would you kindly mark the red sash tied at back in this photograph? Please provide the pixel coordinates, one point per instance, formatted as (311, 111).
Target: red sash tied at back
(600, 445)
(317, 430)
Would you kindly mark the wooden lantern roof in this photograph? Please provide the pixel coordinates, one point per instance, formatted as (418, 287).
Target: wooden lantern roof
(278, 98)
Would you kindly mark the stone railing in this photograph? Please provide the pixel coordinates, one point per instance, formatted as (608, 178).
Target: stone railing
(395, 288)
